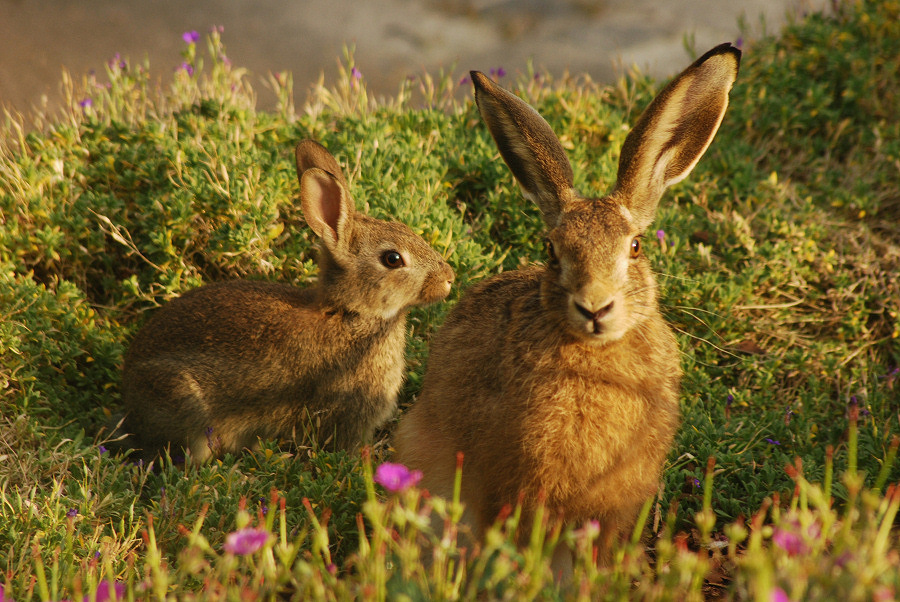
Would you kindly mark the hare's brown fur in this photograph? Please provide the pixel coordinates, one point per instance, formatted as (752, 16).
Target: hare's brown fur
(567, 425)
(231, 362)
(560, 382)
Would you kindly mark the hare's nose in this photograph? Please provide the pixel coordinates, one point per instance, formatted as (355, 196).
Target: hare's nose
(594, 316)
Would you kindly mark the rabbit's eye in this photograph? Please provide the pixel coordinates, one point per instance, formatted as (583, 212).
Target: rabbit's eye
(635, 246)
(392, 260)
(551, 254)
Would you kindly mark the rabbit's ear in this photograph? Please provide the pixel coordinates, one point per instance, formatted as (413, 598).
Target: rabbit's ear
(528, 145)
(675, 130)
(326, 205)
(310, 154)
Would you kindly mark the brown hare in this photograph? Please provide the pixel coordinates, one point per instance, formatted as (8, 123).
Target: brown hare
(231, 362)
(561, 382)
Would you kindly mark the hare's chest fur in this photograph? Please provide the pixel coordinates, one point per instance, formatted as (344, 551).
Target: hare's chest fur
(597, 422)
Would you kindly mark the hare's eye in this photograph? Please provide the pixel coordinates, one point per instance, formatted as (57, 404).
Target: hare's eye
(392, 260)
(635, 246)
(551, 253)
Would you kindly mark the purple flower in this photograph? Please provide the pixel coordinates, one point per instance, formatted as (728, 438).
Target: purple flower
(739, 43)
(498, 72)
(789, 541)
(465, 81)
(729, 399)
(396, 477)
(246, 541)
(117, 61)
(773, 441)
(187, 68)
(697, 483)
(102, 449)
(779, 595)
(103, 593)
(190, 36)
(356, 73)
(84, 104)
(72, 513)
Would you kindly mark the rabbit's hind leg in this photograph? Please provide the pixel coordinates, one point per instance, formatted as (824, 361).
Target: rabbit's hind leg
(166, 407)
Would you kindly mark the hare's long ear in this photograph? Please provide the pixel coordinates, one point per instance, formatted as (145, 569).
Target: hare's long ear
(528, 145)
(674, 131)
(327, 206)
(310, 154)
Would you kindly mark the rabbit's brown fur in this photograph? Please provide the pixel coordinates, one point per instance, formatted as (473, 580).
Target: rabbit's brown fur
(561, 381)
(231, 362)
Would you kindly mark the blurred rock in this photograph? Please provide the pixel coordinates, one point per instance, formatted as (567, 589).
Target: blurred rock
(393, 38)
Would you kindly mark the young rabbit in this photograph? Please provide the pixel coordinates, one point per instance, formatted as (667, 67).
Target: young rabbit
(231, 362)
(561, 381)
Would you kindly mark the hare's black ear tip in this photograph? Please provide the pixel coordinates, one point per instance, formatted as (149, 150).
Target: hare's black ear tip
(726, 48)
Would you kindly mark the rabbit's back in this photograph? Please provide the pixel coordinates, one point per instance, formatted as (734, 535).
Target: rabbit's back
(194, 321)
(535, 410)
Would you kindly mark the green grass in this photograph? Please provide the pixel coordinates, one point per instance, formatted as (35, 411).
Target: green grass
(779, 268)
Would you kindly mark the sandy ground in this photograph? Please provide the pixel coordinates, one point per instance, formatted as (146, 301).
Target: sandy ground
(393, 38)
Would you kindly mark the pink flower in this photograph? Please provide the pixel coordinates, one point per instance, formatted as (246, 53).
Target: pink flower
(103, 593)
(779, 595)
(246, 541)
(589, 531)
(396, 477)
(790, 541)
(3, 596)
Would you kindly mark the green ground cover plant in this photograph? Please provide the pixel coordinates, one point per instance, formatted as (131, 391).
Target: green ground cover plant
(778, 261)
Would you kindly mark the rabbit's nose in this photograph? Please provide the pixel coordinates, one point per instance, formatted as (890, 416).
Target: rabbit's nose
(448, 273)
(448, 276)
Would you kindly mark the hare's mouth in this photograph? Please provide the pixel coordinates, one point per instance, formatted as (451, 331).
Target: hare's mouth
(596, 326)
(597, 334)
